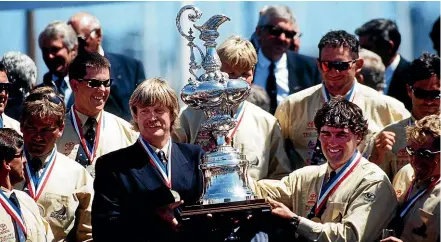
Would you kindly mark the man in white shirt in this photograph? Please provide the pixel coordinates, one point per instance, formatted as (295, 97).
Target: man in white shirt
(5, 85)
(382, 37)
(58, 43)
(279, 70)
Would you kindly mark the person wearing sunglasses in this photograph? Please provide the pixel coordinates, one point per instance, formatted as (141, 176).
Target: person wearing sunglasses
(5, 86)
(90, 131)
(127, 72)
(20, 218)
(62, 188)
(388, 148)
(338, 63)
(383, 37)
(59, 46)
(418, 216)
(279, 70)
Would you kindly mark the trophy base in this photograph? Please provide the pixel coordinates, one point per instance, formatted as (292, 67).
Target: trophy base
(248, 207)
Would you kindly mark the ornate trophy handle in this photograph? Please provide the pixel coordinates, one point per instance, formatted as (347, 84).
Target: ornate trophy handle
(192, 17)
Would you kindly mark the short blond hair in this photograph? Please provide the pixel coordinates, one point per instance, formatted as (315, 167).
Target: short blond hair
(153, 91)
(429, 125)
(40, 103)
(238, 53)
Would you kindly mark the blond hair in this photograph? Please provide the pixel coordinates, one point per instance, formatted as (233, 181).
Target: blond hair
(238, 53)
(153, 91)
(429, 125)
(41, 103)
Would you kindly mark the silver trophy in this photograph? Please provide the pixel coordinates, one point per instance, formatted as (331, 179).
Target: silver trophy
(225, 168)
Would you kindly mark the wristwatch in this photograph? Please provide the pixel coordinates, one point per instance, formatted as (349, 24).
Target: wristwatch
(294, 221)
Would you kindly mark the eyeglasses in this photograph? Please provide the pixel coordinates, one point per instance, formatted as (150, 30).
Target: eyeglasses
(5, 87)
(423, 153)
(92, 33)
(425, 94)
(337, 65)
(94, 83)
(51, 97)
(277, 31)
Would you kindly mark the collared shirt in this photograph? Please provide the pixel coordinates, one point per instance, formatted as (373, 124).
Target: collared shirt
(44, 160)
(6, 191)
(100, 50)
(83, 119)
(280, 71)
(164, 149)
(389, 73)
(63, 87)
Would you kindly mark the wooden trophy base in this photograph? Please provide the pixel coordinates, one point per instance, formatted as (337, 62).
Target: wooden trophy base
(228, 209)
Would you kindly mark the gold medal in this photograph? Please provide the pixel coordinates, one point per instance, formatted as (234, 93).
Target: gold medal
(176, 195)
(316, 219)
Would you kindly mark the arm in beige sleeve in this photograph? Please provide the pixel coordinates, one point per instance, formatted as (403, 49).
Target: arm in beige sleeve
(283, 116)
(279, 165)
(279, 190)
(366, 216)
(84, 194)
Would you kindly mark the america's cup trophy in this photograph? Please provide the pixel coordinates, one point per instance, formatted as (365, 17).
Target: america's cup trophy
(226, 188)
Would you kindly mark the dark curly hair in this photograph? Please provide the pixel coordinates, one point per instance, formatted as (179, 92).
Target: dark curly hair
(341, 113)
(77, 69)
(423, 68)
(10, 142)
(381, 30)
(339, 38)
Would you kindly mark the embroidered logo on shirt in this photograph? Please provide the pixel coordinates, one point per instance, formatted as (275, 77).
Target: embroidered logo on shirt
(60, 214)
(369, 197)
(68, 147)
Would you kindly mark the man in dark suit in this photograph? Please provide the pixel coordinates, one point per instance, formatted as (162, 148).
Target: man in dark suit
(126, 72)
(382, 37)
(279, 70)
(59, 45)
(434, 35)
(134, 186)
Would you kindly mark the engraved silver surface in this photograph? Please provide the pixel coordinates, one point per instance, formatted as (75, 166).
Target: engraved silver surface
(225, 168)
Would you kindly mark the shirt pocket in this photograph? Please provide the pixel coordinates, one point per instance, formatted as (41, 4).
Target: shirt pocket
(421, 226)
(334, 212)
(58, 210)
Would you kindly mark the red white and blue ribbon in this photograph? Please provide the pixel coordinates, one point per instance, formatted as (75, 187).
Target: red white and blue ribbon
(409, 202)
(37, 183)
(13, 211)
(156, 163)
(329, 188)
(238, 117)
(76, 122)
(350, 96)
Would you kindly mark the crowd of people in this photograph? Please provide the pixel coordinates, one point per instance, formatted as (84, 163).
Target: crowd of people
(343, 147)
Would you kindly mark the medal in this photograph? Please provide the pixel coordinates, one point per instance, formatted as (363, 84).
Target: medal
(316, 219)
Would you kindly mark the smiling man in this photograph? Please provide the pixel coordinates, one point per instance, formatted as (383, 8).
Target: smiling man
(338, 63)
(346, 199)
(5, 85)
(59, 45)
(61, 187)
(388, 148)
(90, 131)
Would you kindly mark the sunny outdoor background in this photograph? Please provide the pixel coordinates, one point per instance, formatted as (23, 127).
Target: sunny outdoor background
(147, 30)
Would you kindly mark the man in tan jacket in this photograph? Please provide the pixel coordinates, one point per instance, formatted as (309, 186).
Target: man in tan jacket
(346, 199)
(61, 187)
(257, 131)
(388, 148)
(418, 216)
(338, 63)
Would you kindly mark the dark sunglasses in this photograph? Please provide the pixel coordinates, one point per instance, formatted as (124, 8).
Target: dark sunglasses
(5, 87)
(277, 31)
(425, 94)
(423, 153)
(51, 97)
(94, 83)
(337, 65)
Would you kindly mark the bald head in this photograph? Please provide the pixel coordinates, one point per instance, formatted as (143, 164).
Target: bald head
(87, 27)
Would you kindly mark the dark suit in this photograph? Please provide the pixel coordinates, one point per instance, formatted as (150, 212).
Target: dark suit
(128, 190)
(47, 81)
(126, 73)
(397, 88)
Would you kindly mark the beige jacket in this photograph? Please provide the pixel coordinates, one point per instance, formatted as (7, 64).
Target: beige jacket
(116, 134)
(358, 210)
(422, 221)
(395, 159)
(66, 200)
(296, 116)
(9, 122)
(37, 229)
(258, 133)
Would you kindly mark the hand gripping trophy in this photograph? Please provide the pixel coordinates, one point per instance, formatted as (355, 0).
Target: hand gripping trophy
(226, 188)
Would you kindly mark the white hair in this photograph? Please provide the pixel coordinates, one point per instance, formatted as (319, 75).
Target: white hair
(59, 30)
(21, 68)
